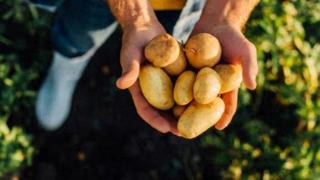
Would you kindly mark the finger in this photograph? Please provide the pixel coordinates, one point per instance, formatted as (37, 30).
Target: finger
(250, 66)
(129, 76)
(230, 100)
(154, 118)
(173, 123)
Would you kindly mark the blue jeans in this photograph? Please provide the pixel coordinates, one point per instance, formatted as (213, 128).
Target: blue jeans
(80, 24)
(75, 24)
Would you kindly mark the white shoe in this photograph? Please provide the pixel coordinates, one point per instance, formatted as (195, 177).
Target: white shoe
(55, 96)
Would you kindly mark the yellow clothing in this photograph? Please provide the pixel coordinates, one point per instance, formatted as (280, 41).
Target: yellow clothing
(167, 4)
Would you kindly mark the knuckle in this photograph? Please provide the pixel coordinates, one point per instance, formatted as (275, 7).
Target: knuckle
(251, 46)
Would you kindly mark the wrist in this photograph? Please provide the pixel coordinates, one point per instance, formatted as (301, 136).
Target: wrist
(217, 28)
(232, 13)
(215, 20)
(140, 25)
(132, 13)
(207, 24)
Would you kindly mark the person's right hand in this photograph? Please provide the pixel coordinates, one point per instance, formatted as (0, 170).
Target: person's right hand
(134, 40)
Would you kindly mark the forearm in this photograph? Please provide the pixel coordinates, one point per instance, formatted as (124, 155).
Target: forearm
(137, 13)
(228, 12)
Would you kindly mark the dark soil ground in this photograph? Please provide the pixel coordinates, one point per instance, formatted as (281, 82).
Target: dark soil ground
(104, 138)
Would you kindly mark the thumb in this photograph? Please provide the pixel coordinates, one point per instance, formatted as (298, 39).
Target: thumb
(130, 73)
(250, 67)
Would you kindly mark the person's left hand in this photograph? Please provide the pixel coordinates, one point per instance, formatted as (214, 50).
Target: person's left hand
(236, 49)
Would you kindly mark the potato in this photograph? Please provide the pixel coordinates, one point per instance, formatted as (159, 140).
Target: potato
(207, 86)
(178, 110)
(183, 89)
(197, 118)
(231, 76)
(178, 66)
(162, 50)
(203, 50)
(156, 86)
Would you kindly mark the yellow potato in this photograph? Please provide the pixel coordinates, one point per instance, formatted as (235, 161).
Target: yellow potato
(183, 89)
(178, 110)
(203, 50)
(197, 118)
(156, 86)
(178, 66)
(207, 86)
(162, 50)
(231, 76)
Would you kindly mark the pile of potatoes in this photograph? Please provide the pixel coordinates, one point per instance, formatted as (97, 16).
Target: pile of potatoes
(188, 80)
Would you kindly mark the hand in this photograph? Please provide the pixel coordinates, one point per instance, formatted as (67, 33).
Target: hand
(236, 49)
(132, 55)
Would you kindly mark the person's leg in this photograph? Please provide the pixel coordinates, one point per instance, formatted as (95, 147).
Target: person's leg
(80, 27)
(48, 5)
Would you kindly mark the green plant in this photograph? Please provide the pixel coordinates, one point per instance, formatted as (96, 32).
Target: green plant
(16, 150)
(276, 132)
(19, 24)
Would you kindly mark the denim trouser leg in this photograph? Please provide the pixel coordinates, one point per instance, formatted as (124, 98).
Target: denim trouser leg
(53, 3)
(80, 25)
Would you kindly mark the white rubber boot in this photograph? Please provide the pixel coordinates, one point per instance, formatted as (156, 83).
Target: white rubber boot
(55, 95)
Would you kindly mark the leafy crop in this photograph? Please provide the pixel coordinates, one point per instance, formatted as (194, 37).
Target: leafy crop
(276, 132)
(19, 68)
